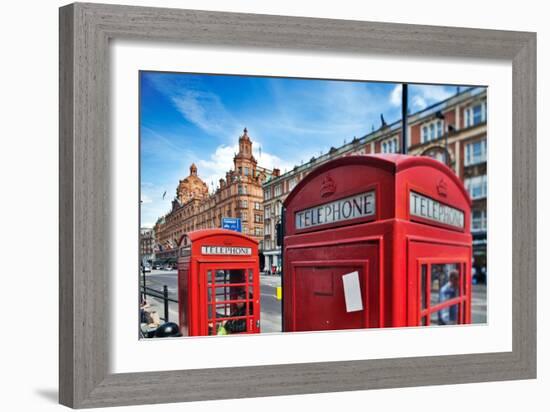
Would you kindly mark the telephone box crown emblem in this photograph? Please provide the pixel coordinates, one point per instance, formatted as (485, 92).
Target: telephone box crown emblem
(442, 188)
(328, 186)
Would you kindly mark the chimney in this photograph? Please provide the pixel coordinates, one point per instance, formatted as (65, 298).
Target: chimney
(276, 172)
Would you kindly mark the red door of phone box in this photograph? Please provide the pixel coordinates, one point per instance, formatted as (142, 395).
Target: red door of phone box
(218, 283)
(398, 225)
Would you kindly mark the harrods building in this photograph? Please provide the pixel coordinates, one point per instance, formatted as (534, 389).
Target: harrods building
(239, 195)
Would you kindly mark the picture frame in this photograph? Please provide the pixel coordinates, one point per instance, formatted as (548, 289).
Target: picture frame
(84, 358)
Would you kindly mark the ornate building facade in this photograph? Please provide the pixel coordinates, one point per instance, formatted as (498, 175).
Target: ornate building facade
(146, 243)
(239, 195)
(453, 131)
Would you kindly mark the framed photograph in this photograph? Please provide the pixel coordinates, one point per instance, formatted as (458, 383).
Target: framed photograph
(256, 205)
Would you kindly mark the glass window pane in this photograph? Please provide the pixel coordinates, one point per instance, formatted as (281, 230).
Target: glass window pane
(477, 150)
(445, 282)
(227, 276)
(223, 310)
(423, 277)
(445, 316)
(477, 114)
(223, 293)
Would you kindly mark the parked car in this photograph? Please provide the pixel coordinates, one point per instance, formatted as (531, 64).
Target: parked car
(147, 268)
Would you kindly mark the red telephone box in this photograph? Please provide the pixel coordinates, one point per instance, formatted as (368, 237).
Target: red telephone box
(218, 283)
(398, 226)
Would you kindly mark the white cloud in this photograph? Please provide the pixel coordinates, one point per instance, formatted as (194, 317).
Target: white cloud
(424, 95)
(200, 107)
(395, 95)
(270, 161)
(205, 110)
(419, 102)
(214, 168)
(420, 96)
(146, 199)
(211, 170)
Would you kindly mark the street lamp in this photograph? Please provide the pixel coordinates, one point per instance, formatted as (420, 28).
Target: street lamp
(404, 116)
(279, 235)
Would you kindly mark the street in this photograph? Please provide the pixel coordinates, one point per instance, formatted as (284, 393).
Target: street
(270, 316)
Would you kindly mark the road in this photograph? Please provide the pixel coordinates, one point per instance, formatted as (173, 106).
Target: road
(479, 303)
(270, 316)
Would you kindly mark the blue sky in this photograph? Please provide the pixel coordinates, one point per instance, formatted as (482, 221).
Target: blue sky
(188, 118)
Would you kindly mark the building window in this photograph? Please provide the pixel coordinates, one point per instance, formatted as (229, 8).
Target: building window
(267, 212)
(258, 218)
(431, 131)
(479, 220)
(292, 183)
(267, 193)
(257, 206)
(267, 229)
(267, 244)
(475, 115)
(241, 189)
(476, 152)
(245, 230)
(246, 171)
(390, 146)
(258, 231)
(277, 190)
(476, 186)
(243, 204)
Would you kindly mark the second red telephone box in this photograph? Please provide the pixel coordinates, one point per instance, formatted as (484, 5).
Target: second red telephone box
(218, 283)
(377, 241)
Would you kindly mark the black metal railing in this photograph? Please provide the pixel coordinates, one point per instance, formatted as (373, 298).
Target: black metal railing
(161, 295)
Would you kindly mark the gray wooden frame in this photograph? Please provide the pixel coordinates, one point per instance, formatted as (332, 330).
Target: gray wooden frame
(85, 31)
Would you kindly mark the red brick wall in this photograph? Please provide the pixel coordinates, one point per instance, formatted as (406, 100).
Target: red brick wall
(367, 148)
(415, 134)
(450, 117)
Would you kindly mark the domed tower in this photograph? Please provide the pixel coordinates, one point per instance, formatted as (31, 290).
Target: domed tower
(192, 187)
(245, 164)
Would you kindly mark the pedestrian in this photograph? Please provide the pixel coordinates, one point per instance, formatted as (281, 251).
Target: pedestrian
(449, 315)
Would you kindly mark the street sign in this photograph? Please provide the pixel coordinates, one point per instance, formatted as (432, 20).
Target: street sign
(231, 223)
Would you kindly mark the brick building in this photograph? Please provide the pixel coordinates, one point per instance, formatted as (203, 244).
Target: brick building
(239, 195)
(453, 131)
